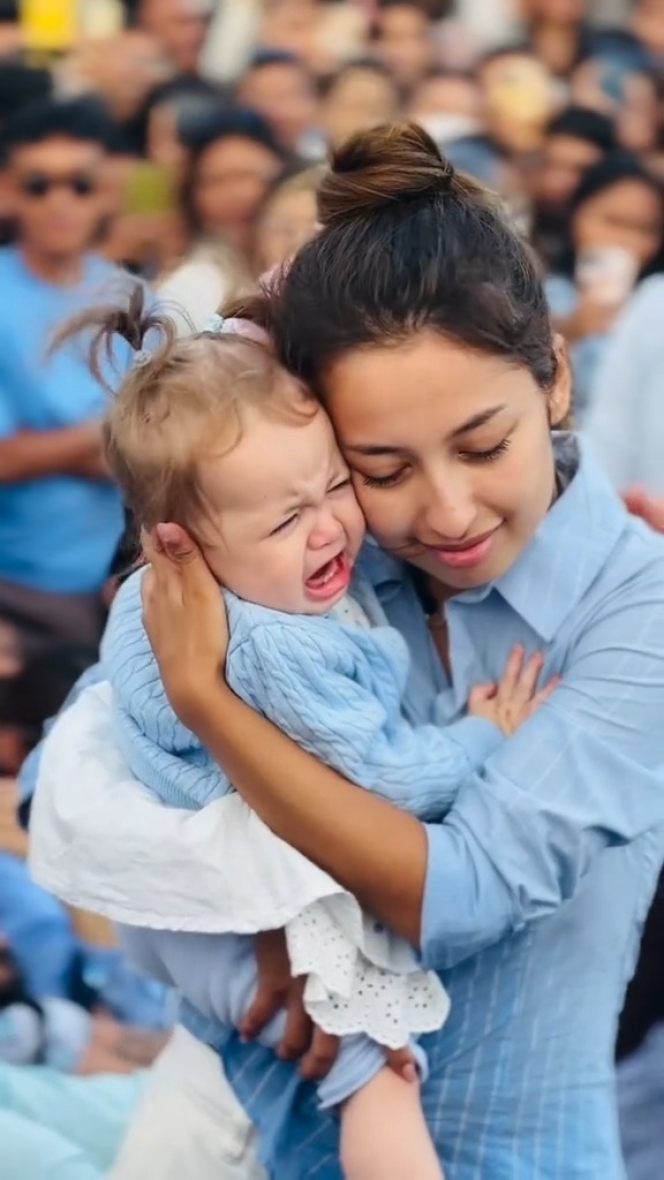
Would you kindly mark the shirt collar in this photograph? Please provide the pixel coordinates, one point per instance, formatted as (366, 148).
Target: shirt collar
(567, 552)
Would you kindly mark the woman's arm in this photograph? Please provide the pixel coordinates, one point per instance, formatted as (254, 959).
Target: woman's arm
(374, 850)
(585, 773)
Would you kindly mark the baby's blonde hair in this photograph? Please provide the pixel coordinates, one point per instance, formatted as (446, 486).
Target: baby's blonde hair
(181, 403)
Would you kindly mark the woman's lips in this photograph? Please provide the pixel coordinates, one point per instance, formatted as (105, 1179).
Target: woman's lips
(464, 557)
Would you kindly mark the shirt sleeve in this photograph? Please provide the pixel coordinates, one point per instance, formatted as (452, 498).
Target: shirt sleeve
(615, 422)
(584, 774)
(306, 691)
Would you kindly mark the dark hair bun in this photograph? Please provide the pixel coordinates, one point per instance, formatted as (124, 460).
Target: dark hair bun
(395, 162)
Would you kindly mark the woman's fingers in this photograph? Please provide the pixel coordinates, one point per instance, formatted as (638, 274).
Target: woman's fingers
(545, 693)
(526, 686)
(508, 682)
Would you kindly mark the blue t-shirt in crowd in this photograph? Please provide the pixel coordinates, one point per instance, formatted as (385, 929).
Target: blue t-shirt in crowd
(57, 534)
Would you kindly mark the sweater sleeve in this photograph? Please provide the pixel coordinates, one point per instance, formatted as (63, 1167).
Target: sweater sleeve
(307, 688)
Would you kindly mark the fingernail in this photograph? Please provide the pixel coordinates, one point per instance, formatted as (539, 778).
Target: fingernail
(409, 1073)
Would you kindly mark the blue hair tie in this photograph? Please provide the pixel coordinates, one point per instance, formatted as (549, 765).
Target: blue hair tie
(216, 324)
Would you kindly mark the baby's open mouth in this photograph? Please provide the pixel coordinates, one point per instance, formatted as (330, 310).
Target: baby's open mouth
(326, 572)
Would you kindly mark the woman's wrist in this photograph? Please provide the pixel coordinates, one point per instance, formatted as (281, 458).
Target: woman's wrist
(204, 708)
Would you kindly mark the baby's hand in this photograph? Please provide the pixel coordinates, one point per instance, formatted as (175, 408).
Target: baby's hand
(515, 698)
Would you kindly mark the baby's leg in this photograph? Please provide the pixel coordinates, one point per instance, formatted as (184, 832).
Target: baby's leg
(383, 1132)
(384, 1135)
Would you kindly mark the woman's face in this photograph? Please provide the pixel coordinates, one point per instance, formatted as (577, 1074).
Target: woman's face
(232, 178)
(289, 222)
(360, 99)
(450, 452)
(628, 215)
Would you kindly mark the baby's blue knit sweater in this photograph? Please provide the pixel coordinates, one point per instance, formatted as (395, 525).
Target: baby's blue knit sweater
(334, 688)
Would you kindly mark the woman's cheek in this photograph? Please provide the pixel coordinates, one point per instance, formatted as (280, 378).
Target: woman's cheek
(382, 513)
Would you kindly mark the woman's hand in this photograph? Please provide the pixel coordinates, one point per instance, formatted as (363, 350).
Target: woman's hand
(185, 619)
(649, 508)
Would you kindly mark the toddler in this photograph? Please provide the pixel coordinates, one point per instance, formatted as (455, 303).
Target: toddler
(211, 433)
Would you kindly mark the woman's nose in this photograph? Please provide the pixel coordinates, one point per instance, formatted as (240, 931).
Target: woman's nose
(448, 509)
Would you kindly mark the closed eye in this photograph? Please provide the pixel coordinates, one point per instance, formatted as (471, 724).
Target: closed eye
(281, 528)
(383, 481)
(340, 485)
(486, 456)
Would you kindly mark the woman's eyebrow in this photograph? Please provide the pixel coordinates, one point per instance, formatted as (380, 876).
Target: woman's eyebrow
(478, 420)
(471, 424)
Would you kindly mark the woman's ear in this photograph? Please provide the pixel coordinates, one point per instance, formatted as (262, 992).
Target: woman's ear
(560, 397)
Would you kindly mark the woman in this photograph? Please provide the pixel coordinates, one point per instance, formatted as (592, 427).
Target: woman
(233, 160)
(616, 239)
(288, 218)
(428, 338)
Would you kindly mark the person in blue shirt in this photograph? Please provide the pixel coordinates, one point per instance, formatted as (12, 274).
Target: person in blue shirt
(60, 515)
(418, 317)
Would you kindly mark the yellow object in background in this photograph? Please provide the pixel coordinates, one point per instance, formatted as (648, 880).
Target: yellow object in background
(49, 25)
(149, 190)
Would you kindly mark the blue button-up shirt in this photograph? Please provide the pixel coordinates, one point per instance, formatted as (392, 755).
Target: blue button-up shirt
(542, 873)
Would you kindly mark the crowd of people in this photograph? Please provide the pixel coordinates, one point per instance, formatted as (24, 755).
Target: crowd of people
(183, 153)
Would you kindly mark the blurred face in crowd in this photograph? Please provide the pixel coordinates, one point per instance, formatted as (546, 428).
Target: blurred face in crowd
(283, 93)
(231, 180)
(628, 97)
(520, 98)
(57, 195)
(448, 106)
(291, 25)
(180, 27)
(288, 221)
(124, 69)
(648, 25)
(556, 11)
(359, 99)
(628, 215)
(405, 43)
(564, 161)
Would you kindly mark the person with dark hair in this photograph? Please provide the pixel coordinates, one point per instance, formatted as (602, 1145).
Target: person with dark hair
(233, 159)
(575, 140)
(520, 97)
(172, 114)
(60, 516)
(559, 32)
(403, 39)
(418, 317)
(280, 87)
(288, 217)
(180, 27)
(615, 238)
(21, 84)
(362, 94)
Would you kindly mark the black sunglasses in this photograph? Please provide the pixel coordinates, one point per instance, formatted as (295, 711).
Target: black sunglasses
(38, 184)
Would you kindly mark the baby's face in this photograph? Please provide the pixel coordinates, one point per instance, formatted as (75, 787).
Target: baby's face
(288, 528)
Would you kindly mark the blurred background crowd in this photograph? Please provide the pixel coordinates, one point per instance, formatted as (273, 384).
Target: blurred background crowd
(182, 141)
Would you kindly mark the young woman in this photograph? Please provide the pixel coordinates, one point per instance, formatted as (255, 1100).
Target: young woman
(418, 318)
(616, 231)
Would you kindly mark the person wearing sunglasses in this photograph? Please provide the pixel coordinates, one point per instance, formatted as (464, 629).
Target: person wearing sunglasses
(60, 516)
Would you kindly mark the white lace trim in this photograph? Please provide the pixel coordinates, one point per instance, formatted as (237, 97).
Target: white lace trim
(362, 978)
